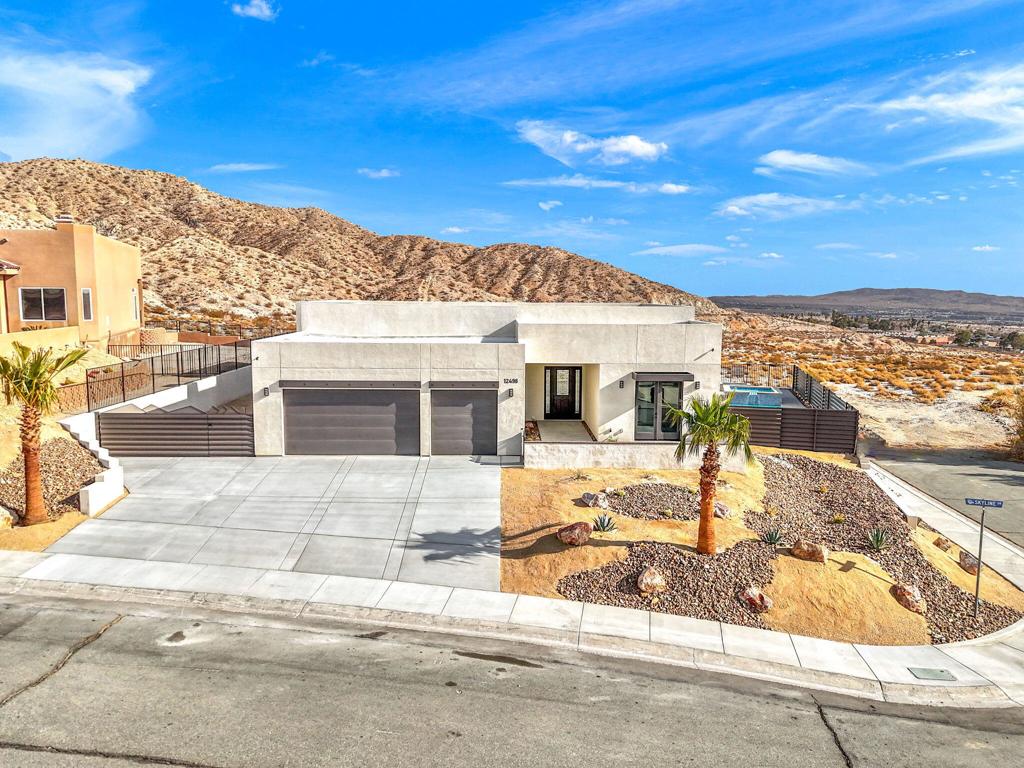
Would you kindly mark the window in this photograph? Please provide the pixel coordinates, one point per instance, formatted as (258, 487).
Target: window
(42, 304)
(135, 304)
(87, 304)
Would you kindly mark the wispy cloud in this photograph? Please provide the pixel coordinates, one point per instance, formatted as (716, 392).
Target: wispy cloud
(69, 104)
(771, 255)
(683, 249)
(455, 230)
(782, 160)
(580, 181)
(321, 57)
(255, 9)
(985, 248)
(837, 247)
(775, 206)
(991, 97)
(547, 205)
(568, 146)
(378, 173)
(241, 167)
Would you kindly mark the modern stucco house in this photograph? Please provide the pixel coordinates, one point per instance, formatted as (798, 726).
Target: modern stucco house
(432, 378)
(70, 277)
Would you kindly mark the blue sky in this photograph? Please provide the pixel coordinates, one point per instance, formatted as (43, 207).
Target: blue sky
(723, 147)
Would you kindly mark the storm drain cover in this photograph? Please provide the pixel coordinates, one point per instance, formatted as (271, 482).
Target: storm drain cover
(928, 673)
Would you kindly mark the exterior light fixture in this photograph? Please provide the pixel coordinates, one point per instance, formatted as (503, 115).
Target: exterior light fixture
(266, 391)
(622, 384)
(510, 391)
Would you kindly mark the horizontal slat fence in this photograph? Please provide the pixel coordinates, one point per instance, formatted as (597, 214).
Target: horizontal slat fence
(176, 434)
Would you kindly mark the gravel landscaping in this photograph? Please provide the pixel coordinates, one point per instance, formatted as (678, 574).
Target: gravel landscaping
(66, 467)
(701, 587)
(652, 501)
(803, 498)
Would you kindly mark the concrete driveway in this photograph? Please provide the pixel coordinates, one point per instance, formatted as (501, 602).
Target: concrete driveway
(426, 520)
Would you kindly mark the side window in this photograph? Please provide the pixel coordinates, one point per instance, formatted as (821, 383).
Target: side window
(43, 304)
(87, 304)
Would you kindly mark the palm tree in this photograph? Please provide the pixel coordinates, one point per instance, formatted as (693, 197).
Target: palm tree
(28, 376)
(702, 428)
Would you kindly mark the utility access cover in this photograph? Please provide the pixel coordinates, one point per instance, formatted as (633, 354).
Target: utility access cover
(928, 673)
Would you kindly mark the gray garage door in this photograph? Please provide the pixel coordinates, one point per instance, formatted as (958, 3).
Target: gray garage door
(351, 421)
(464, 422)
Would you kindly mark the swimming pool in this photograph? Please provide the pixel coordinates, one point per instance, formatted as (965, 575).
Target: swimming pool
(753, 397)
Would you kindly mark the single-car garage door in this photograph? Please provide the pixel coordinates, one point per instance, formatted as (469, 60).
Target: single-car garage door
(463, 422)
(352, 421)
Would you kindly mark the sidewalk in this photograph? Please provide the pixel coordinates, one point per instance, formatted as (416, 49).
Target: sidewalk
(988, 672)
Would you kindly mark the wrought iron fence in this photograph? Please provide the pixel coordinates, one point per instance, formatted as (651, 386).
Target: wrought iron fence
(214, 327)
(759, 375)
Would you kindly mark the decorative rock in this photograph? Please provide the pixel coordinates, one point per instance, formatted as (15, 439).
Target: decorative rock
(909, 597)
(599, 500)
(7, 518)
(651, 580)
(721, 510)
(575, 534)
(968, 562)
(942, 543)
(755, 600)
(808, 550)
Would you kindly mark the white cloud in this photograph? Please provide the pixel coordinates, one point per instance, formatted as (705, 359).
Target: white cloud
(985, 248)
(807, 162)
(836, 247)
(776, 206)
(992, 97)
(652, 243)
(734, 238)
(567, 146)
(668, 188)
(771, 255)
(547, 205)
(322, 57)
(378, 173)
(580, 181)
(886, 255)
(455, 230)
(684, 249)
(69, 104)
(714, 263)
(255, 9)
(241, 167)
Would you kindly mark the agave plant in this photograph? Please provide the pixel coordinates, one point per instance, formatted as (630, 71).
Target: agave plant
(772, 536)
(878, 539)
(604, 524)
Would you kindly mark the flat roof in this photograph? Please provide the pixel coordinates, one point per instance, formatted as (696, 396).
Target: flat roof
(323, 338)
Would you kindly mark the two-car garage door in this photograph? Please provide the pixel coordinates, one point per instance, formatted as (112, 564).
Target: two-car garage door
(387, 421)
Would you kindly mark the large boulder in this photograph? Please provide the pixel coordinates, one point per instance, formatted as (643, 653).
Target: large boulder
(808, 550)
(721, 510)
(942, 543)
(969, 562)
(909, 597)
(651, 580)
(575, 534)
(598, 500)
(756, 600)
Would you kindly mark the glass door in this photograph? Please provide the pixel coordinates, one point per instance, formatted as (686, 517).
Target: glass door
(646, 410)
(670, 394)
(653, 399)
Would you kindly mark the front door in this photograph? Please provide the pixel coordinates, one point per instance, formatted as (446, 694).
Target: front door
(653, 400)
(562, 392)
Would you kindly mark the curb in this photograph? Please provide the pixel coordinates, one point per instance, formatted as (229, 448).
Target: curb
(326, 617)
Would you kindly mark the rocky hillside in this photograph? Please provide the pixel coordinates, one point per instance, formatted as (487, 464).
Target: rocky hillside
(203, 251)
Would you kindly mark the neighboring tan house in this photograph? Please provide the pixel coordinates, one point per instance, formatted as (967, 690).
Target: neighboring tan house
(70, 277)
(430, 378)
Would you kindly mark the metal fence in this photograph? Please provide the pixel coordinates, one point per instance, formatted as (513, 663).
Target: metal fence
(148, 373)
(759, 375)
(221, 327)
(814, 394)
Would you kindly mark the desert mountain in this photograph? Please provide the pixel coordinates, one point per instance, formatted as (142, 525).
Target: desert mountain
(203, 251)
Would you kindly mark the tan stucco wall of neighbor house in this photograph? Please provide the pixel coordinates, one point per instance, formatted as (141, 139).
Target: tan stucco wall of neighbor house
(73, 257)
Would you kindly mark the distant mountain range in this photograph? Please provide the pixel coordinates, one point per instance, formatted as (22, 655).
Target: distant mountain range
(890, 302)
(204, 252)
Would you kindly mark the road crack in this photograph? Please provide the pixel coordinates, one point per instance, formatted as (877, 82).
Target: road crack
(835, 736)
(124, 756)
(84, 642)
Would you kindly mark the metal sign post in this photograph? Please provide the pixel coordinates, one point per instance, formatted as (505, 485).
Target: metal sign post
(984, 504)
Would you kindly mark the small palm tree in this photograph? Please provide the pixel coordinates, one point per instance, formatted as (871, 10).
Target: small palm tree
(28, 377)
(704, 427)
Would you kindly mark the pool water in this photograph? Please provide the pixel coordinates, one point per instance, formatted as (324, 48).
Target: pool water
(754, 397)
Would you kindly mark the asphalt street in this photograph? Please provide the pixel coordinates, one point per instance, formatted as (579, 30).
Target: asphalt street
(102, 686)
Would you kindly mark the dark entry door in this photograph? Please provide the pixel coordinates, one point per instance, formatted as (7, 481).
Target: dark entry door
(562, 392)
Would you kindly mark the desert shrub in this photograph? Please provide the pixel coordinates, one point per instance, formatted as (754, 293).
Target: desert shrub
(1017, 425)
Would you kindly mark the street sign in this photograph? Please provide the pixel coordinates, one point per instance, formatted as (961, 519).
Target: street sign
(983, 503)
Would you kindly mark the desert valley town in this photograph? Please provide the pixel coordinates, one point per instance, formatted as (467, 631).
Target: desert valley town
(619, 382)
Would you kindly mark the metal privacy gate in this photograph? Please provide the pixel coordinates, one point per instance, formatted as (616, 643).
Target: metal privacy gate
(183, 433)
